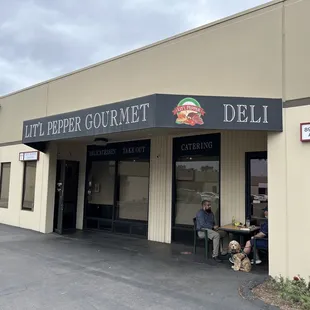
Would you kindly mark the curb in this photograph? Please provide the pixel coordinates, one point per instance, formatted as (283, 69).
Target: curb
(245, 291)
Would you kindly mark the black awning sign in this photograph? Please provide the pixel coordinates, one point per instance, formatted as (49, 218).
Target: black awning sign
(88, 122)
(159, 111)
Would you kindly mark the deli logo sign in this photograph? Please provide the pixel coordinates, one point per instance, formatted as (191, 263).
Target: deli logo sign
(189, 112)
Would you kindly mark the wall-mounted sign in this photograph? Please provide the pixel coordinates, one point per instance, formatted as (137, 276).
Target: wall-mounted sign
(159, 111)
(118, 151)
(29, 156)
(123, 116)
(305, 132)
(189, 112)
(215, 112)
(208, 145)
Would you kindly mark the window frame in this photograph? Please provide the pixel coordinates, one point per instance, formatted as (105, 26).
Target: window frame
(187, 230)
(118, 188)
(24, 186)
(176, 159)
(1, 175)
(248, 157)
(115, 225)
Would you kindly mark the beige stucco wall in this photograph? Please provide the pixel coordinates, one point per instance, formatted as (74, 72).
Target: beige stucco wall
(234, 145)
(239, 58)
(296, 64)
(288, 158)
(19, 107)
(289, 213)
(41, 218)
(14, 215)
(160, 195)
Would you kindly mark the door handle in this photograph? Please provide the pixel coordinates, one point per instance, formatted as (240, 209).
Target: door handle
(59, 186)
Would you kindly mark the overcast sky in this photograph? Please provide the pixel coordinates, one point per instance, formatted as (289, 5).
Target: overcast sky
(41, 39)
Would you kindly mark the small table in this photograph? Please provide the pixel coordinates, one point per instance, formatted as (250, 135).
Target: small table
(239, 231)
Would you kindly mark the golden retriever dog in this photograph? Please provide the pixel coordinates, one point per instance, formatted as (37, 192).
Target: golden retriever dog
(241, 260)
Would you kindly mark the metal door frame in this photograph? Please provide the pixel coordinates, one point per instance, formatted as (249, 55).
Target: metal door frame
(248, 157)
(60, 185)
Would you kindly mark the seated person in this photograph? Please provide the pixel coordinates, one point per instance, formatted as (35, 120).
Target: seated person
(261, 244)
(205, 221)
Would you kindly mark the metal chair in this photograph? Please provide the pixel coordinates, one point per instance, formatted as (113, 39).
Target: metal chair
(197, 239)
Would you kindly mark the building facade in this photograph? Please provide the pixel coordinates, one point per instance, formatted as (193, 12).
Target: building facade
(131, 145)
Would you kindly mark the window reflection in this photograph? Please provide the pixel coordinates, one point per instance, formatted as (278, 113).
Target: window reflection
(5, 172)
(133, 190)
(259, 187)
(197, 178)
(102, 177)
(30, 169)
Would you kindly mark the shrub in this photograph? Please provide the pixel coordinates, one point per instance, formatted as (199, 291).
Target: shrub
(296, 290)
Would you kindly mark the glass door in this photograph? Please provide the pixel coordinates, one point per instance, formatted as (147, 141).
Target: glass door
(67, 179)
(100, 195)
(256, 186)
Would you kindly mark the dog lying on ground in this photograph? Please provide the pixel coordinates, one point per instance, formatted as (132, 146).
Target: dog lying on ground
(241, 260)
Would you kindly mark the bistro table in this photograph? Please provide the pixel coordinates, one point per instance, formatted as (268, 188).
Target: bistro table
(242, 231)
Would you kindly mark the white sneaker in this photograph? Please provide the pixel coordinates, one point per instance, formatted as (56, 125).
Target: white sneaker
(231, 260)
(258, 261)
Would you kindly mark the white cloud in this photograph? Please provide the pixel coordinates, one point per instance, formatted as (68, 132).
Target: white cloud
(43, 39)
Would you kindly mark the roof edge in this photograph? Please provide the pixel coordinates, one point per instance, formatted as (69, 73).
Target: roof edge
(146, 47)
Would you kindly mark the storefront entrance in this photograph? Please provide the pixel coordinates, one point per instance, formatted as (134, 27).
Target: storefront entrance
(196, 162)
(117, 188)
(67, 177)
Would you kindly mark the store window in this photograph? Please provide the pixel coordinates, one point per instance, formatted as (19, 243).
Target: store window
(133, 190)
(103, 182)
(257, 186)
(118, 187)
(5, 172)
(196, 178)
(30, 169)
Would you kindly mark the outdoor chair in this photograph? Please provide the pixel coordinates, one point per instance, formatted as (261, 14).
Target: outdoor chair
(256, 247)
(207, 242)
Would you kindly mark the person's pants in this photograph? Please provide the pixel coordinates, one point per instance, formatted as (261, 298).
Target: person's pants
(215, 236)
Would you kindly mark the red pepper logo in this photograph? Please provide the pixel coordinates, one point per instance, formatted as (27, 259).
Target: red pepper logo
(189, 112)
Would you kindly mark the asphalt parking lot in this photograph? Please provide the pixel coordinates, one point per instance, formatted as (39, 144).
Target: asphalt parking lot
(111, 272)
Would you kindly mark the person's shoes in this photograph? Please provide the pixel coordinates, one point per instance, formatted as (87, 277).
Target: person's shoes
(215, 258)
(231, 260)
(258, 261)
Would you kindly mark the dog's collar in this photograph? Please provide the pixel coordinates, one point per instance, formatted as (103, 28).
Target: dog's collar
(244, 253)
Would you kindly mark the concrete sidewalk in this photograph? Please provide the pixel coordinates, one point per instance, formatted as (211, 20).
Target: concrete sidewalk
(101, 271)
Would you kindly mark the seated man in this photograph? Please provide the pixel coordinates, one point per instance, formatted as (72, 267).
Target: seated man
(205, 221)
(261, 244)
